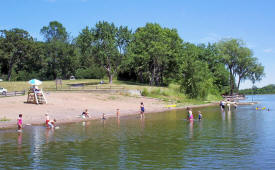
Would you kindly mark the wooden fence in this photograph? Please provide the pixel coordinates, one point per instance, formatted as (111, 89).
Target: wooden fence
(14, 93)
(86, 88)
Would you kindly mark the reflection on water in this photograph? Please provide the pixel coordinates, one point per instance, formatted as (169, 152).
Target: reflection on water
(242, 139)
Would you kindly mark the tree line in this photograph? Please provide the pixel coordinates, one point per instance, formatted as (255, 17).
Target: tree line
(151, 55)
(269, 89)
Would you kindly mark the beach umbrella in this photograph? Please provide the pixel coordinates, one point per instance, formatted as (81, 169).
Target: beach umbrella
(35, 82)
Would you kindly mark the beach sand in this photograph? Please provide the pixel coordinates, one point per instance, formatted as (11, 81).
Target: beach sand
(67, 107)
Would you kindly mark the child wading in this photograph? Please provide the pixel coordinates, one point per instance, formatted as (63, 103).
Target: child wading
(47, 119)
(19, 122)
(190, 114)
(51, 123)
(200, 115)
(142, 110)
(117, 112)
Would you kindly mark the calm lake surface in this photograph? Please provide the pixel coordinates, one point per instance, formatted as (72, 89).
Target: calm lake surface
(242, 139)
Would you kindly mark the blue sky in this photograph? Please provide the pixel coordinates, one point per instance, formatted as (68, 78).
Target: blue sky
(197, 21)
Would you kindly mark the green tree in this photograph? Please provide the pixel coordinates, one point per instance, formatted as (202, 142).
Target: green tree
(89, 68)
(61, 56)
(16, 45)
(239, 61)
(54, 32)
(229, 49)
(209, 54)
(109, 46)
(153, 54)
(256, 73)
(84, 42)
(196, 79)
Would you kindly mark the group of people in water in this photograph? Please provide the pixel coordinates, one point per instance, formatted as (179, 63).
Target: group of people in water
(51, 123)
(190, 114)
(85, 113)
(227, 104)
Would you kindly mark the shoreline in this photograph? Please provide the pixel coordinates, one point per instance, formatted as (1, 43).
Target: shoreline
(79, 119)
(67, 108)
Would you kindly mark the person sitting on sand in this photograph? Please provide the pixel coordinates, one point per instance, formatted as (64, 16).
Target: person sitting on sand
(20, 122)
(51, 123)
(85, 114)
(200, 115)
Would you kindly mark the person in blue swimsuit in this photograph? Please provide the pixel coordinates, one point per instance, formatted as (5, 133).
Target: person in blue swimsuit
(142, 110)
(200, 115)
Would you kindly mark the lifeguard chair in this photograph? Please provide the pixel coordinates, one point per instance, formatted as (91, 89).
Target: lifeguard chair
(36, 95)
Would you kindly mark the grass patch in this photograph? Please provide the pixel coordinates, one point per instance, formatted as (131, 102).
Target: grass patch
(112, 97)
(4, 119)
(24, 85)
(172, 94)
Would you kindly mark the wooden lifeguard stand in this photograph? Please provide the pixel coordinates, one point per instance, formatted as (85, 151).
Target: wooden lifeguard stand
(36, 96)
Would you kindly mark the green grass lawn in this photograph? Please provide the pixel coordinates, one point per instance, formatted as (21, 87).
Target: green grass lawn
(170, 94)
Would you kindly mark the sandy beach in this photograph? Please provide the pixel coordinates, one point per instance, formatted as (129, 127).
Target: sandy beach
(67, 107)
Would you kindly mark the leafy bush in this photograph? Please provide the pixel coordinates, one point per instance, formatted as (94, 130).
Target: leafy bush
(90, 73)
(145, 92)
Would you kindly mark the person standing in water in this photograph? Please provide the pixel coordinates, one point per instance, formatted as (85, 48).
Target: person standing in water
(228, 105)
(190, 114)
(103, 116)
(200, 115)
(20, 122)
(222, 104)
(47, 119)
(117, 112)
(142, 109)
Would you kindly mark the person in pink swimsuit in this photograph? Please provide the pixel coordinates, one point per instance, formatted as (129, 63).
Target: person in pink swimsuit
(19, 122)
(190, 114)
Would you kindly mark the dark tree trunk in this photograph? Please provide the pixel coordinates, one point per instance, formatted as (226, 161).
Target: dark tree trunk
(153, 76)
(239, 82)
(9, 72)
(232, 82)
(110, 78)
(10, 68)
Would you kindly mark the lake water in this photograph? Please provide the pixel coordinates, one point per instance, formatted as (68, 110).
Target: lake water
(242, 139)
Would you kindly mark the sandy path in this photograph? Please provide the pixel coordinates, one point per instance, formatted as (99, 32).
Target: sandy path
(65, 107)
